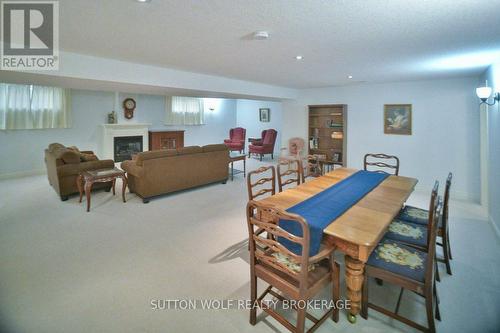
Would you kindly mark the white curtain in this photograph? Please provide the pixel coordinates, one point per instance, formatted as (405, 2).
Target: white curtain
(184, 111)
(34, 107)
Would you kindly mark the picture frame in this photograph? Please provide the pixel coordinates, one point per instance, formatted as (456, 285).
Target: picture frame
(398, 119)
(265, 115)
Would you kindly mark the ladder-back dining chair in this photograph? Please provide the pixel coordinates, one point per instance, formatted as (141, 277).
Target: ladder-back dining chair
(421, 216)
(298, 276)
(382, 163)
(408, 268)
(265, 184)
(289, 172)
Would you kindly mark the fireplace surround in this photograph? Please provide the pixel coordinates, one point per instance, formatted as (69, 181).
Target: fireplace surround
(111, 131)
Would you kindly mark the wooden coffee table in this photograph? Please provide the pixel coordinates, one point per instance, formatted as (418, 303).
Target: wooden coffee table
(86, 179)
(233, 157)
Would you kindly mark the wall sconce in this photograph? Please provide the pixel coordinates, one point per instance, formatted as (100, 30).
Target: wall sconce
(484, 93)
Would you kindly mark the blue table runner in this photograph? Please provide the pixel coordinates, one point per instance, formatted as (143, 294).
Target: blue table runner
(324, 207)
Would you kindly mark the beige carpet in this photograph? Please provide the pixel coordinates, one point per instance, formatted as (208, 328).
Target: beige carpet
(65, 270)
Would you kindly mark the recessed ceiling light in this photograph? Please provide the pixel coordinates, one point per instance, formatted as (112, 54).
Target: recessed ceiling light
(143, 1)
(261, 35)
(349, 77)
(299, 57)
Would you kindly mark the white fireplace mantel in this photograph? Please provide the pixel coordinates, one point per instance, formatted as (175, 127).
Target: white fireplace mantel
(110, 131)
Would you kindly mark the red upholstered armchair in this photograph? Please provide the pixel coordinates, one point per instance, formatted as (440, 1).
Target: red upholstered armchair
(264, 145)
(236, 139)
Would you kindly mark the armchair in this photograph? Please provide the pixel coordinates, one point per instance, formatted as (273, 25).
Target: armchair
(265, 145)
(236, 139)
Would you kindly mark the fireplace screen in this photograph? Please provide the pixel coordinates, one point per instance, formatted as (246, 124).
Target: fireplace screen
(125, 146)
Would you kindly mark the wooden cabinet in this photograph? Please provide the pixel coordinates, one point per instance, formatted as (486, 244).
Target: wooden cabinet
(327, 132)
(166, 140)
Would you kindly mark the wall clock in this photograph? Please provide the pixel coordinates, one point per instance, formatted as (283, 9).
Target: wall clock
(129, 107)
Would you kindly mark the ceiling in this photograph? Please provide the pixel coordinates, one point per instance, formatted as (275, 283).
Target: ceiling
(373, 40)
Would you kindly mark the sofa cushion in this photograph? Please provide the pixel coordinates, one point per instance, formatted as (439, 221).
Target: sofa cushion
(189, 150)
(215, 147)
(68, 156)
(149, 155)
(88, 157)
(54, 146)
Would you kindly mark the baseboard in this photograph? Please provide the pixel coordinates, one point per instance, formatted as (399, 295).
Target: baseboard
(21, 174)
(494, 226)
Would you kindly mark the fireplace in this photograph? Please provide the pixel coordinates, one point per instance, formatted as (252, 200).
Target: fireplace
(125, 146)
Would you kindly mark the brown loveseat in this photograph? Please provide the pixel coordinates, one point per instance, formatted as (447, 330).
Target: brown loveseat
(163, 171)
(64, 164)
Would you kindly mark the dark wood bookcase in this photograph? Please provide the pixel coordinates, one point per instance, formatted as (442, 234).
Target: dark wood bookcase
(328, 132)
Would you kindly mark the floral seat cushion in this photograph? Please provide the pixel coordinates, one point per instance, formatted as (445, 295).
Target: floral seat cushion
(408, 233)
(290, 263)
(400, 259)
(415, 215)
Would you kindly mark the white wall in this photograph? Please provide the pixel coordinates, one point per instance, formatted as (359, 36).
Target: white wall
(493, 149)
(21, 151)
(445, 127)
(248, 117)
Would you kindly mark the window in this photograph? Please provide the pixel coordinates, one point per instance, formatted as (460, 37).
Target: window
(34, 107)
(184, 111)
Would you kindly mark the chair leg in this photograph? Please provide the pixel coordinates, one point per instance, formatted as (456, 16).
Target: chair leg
(253, 298)
(261, 157)
(335, 289)
(272, 156)
(301, 320)
(438, 313)
(399, 300)
(438, 277)
(364, 298)
(430, 313)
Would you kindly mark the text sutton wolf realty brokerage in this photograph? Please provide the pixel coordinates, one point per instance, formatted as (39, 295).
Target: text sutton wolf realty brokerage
(30, 35)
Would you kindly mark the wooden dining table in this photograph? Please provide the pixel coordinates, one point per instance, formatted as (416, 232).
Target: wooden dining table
(359, 229)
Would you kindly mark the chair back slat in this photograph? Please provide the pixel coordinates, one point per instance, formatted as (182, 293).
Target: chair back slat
(255, 187)
(265, 249)
(289, 172)
(382, 163)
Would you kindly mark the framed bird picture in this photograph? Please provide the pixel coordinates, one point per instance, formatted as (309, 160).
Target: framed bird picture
(397, 119)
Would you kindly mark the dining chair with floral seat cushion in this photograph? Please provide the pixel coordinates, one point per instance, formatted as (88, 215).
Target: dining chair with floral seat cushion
(409, 268)
(266, 183)
(298, 277)
(289, 172)
(414, 234)
(381, 163)
(420, 216)
(312, 167)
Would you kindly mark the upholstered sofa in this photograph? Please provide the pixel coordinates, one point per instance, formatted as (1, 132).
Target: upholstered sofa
(159, 172)
(65, 163)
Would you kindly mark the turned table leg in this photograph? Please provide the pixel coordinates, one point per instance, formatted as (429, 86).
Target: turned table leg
(354, 275)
